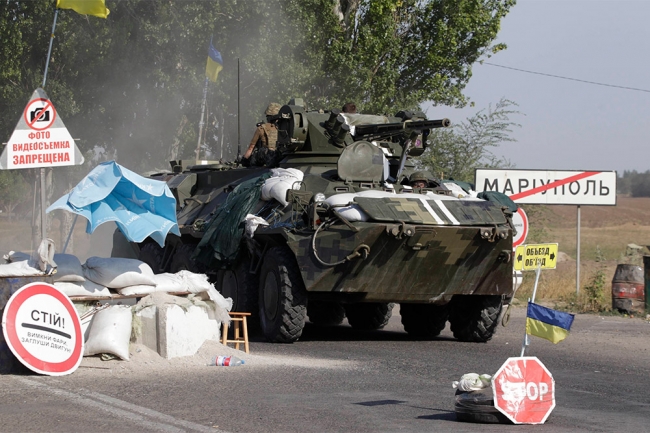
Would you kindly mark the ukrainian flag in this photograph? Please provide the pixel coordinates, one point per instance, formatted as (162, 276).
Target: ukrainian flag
(214, 65)
(547, 323)
(95, 8)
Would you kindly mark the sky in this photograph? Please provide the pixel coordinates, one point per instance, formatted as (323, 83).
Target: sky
(568, 124)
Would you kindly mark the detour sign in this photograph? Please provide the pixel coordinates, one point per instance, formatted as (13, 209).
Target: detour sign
(530, 257)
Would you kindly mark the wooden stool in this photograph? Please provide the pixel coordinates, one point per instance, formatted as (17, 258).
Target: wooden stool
(239, 325)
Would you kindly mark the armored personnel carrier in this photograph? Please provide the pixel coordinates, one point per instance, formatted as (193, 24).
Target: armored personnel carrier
(336, 231)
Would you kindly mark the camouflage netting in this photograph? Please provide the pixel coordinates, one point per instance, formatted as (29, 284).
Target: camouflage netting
(221, 241)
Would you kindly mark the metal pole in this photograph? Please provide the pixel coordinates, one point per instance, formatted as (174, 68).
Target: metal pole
(578, 252)
(42, 170)
(70, 234)
(43, 216)
(238, 123)
(526, 340)
(198, 144)
(49, 51)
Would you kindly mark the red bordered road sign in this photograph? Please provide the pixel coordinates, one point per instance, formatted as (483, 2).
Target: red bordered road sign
(524, 390)
(39, 114)
(40, 138)
(42, 328)
(520, 221)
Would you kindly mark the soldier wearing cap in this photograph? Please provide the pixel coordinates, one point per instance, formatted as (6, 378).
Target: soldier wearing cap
(262, 148)
(419, 179)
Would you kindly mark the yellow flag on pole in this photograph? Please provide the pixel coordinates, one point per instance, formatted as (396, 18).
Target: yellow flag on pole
(96, 8)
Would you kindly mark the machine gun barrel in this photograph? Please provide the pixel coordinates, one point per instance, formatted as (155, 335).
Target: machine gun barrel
(388, 129)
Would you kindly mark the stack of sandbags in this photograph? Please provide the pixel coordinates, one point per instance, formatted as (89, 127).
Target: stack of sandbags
(69, 278)
(281, 180)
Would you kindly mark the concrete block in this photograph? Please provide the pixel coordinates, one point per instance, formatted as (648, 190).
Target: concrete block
(173, 331)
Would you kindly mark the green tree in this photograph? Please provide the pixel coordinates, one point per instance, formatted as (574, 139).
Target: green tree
(14, 190)
(132, 84)
(457, 151)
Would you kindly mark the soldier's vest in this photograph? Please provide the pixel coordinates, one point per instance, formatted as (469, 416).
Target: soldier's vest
(271, 133)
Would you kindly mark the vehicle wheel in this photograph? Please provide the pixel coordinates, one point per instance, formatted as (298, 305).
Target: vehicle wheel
(152, 254)
(325, 313)
(478, 406)
(424, 320)
(240, 285)
(182, 261)
(369, 316)
(282, 297)
(475, 317)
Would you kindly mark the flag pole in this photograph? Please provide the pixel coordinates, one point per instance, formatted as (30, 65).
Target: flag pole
(42, 170)
(49, 51)
(205, 93)
(238, 124)
(526, 340)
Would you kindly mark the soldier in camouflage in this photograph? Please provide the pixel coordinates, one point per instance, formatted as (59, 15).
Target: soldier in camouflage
(262, 148)
(419, 179)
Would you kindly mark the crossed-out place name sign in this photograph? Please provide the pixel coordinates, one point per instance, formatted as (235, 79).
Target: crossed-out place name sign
(533, 256)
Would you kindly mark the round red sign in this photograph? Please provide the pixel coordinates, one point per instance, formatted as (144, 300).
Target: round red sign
(520, 221)
(42, 328)
(39, 114)
(524, 390)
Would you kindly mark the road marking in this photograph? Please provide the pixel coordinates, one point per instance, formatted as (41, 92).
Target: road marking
(139, 415)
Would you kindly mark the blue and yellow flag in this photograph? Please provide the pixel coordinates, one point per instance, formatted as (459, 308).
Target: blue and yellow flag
(214, 65)
(95, 8)
(547, 323)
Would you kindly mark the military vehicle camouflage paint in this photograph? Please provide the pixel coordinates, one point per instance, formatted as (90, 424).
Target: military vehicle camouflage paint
(439, 259)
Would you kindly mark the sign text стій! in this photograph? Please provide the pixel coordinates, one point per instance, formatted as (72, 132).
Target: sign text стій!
(40, 138)
(550, 187)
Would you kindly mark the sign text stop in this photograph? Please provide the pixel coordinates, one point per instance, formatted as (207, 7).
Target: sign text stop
(524, 390)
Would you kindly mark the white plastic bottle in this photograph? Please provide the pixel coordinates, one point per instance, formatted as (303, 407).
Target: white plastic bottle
(227, 361)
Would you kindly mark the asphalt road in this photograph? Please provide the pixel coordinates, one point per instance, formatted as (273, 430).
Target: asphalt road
(340, 380)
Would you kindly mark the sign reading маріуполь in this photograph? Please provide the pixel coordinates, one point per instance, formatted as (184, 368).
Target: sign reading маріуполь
(550, 187)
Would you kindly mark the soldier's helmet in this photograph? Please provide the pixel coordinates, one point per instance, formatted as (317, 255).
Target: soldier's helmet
(272, 109)
(419, 175)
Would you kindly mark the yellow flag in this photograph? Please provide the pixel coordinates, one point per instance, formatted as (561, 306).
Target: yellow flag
(95, 8)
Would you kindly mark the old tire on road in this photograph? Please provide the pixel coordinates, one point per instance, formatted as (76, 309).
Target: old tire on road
(282, 296)
(424, 320)
(369, 316)
(474, 318)
(325, 313)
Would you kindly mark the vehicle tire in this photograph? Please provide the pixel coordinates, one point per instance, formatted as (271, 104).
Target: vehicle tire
(182, 260)
(240, 285)
(152, 254)
(424, 320)
(282, 296)
(325, 313)
(475, 318)
(369, 316)
(478, 406)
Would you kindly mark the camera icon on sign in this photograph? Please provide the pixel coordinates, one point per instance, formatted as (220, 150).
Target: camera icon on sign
(36, 113)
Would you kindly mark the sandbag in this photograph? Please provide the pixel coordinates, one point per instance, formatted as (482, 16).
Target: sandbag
(281, 180)
(117, 273)
(68, 268)
(83, 288)
(140, 289)
(19, 269)
(110, 332)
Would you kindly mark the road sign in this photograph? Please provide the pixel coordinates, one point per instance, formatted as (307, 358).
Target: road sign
(550, 187)
(524, 390)
(530, 257)
(40, 138)
(520, 221)
(42, 328)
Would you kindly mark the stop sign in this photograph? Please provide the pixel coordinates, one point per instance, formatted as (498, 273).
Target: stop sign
(524, 390)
